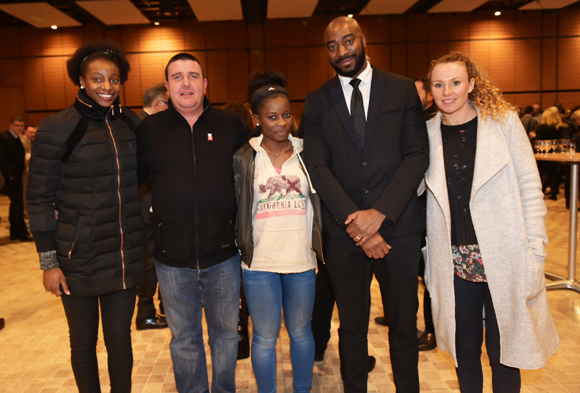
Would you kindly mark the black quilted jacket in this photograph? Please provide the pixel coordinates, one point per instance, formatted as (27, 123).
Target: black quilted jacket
(87, 207)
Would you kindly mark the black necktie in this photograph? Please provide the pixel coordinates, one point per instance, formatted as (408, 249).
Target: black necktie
(357, 110)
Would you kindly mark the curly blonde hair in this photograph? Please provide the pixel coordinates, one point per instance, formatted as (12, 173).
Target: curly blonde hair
(484, 95)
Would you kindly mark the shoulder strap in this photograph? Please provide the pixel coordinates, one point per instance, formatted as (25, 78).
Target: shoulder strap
(80, 130)
(74, 138)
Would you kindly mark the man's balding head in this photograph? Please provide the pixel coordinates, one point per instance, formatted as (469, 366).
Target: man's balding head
(345, 46)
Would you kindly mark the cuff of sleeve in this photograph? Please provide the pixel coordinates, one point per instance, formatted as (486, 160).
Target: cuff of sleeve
(45, 241)
(48, 260)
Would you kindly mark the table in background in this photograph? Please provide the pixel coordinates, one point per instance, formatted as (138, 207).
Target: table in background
(560, 282)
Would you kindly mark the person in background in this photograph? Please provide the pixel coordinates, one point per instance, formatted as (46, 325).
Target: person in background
(552, 127)
(27, 139)
(484, 253)
(154, 100)
(278, 227)
(242, 112)
(529, 122)
(188, 151)
(84, 210)
(12, 166)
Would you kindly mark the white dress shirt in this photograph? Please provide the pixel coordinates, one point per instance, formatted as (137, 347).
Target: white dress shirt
(365, 87)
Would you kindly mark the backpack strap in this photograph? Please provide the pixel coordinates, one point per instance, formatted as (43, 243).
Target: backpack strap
(80, 131)
(74, 138)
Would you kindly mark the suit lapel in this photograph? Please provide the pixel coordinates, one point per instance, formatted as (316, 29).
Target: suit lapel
(376, 98)
(342, 110)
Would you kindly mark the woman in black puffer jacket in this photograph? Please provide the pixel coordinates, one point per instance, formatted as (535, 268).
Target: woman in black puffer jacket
(85, 215)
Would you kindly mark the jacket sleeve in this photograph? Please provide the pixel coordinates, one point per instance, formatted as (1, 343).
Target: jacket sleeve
(317, 156)
(532, 198)
(47, 153)
(143, 137)
(415, 153)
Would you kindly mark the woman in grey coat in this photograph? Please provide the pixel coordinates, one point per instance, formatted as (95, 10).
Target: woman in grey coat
(485, 231)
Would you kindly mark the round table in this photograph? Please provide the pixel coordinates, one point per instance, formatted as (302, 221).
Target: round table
(560, 282)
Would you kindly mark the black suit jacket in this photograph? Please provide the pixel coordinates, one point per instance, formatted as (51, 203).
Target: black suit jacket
(11, 156)
(385, 173)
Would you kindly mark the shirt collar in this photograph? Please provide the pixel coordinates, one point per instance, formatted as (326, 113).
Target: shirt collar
(15, 135)
(366, 76)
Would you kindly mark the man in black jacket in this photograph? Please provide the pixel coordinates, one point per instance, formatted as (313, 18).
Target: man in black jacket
(12, 166)
(188, 151)
(366, 148)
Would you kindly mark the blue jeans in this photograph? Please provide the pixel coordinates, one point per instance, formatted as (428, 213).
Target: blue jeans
(267, 294)
(184, 290)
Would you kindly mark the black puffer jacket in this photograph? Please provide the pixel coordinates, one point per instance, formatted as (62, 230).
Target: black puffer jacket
(98, 236)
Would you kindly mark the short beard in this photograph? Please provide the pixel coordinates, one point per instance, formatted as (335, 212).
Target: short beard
(358, 65)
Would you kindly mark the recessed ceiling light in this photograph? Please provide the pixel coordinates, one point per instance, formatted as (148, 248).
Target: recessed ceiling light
(54, 27)
(497, 13)
(350, 15)
(156, 23)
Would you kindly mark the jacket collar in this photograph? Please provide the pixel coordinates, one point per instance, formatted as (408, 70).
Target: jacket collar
(91, 110)
(206, 106)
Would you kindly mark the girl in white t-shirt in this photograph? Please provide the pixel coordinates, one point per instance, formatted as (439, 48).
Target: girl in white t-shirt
(275, 230)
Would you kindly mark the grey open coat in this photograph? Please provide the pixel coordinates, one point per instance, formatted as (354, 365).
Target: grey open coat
(508, 213)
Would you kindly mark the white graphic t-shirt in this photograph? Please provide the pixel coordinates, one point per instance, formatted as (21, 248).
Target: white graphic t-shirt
(282, 214)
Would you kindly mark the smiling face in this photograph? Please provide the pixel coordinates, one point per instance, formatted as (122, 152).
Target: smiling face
(451, 86)
(345, 47)
(275, 118)
(186, 86)
(102, 81)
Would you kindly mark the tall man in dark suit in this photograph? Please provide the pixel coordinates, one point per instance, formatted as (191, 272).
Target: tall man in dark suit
(366, 148)
(12, 166)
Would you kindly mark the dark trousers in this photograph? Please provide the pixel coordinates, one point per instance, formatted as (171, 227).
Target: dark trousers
(323, 308)
(427, 312)
(146, 291)
(350, 273)
(82, 314)
(470, 300)
(16, 211)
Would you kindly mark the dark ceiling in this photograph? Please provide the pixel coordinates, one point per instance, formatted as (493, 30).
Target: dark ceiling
(254, 10)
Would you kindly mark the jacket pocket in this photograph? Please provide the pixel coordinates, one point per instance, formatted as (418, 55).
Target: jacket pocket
(76, 236)
(535, 282)
(175, 236)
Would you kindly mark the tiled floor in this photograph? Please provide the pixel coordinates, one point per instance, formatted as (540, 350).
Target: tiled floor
(35, 357)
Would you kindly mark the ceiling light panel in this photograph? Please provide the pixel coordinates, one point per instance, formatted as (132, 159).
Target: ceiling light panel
(457, 5)
(547, 4)
(114, 12)
(279, 9)
(380, 7)
(39, 14)
(215, 10)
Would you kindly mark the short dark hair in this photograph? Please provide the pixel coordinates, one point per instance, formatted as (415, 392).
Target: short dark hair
(528, 110)
(183, 56)
(77, 64)
(153, 93)
(425, 82)
(16, 118)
